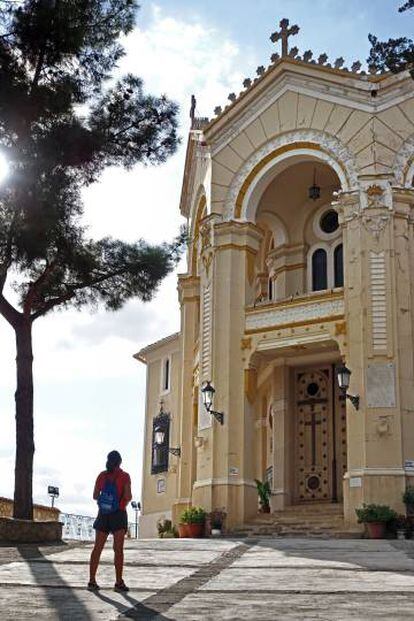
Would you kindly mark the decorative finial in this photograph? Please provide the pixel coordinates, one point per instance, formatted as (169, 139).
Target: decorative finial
(247, 82)
(192, 109)
(356, 66)
(322, 59)
(218, 110)
(260, 70)
(232, 97)
(274, 57)
(284, 34)
(293, 52)
(339, 62)
(307, 56)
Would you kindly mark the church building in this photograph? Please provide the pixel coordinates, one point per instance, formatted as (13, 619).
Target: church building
(300, 201)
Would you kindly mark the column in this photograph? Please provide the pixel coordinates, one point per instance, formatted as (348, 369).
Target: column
(232, 464)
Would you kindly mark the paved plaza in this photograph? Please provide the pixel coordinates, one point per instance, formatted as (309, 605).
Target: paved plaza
(206, 580)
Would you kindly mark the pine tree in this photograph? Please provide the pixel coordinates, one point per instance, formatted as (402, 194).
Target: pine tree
(63, 120)
(395, 54)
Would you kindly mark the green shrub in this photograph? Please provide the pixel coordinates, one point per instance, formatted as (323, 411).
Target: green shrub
(264, 492)
(375, 513)
(166, 530)
(193, 515)
(408, 496)
(217, 517)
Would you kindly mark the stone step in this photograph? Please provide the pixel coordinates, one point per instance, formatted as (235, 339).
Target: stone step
(322, 520)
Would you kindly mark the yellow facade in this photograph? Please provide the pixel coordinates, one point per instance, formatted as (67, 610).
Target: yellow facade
(265, 314)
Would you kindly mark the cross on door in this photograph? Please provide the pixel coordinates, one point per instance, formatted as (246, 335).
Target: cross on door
(312, 423)
(284, 34)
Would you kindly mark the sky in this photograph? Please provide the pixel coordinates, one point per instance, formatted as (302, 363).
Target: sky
(89, 391)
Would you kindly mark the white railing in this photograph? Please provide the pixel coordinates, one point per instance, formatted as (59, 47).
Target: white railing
(80, 527)
(77, 527)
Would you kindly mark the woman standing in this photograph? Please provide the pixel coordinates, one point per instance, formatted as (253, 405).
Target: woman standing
(112, 492)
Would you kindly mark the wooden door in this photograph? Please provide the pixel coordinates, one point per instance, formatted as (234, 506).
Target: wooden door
(314, 431)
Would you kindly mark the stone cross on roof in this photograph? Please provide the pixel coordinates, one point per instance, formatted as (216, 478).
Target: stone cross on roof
(284, 34)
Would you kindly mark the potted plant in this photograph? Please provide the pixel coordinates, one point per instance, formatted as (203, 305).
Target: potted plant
(375, 517)
(194, 518)
(183, 530)
(217, 518)
(166, 530)
(400, 526)
(408, 500)
(264, 492)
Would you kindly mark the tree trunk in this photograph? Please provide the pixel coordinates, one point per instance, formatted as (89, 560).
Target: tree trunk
(23, 498)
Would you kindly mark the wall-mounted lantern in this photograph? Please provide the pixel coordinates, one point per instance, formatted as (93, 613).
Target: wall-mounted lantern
(159, 441)
(344, 377)
(208, 398)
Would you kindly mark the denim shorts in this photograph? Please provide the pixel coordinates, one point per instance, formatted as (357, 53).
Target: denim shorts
(111, 522)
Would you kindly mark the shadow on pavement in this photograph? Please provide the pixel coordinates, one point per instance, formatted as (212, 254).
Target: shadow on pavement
(67, 605)
(138, 609)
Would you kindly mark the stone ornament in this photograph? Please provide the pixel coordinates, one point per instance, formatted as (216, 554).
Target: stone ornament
(375, 224)
(403, 162)
(375, 197)
(283, 35)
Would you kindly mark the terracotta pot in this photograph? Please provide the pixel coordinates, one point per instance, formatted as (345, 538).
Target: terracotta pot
(195, 530)
(183, 531)
(376, 530)
(265, 508)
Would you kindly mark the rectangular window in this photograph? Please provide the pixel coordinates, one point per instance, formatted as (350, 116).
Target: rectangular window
(166, 375)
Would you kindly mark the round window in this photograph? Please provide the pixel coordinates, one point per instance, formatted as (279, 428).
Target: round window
(312, 389)
(329, 221)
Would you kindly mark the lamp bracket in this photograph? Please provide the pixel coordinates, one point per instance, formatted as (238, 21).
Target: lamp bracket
(175, 451)
(354, 399)
(219, 416)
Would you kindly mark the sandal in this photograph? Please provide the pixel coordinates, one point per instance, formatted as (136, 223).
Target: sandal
(93, 586)
(121, 587)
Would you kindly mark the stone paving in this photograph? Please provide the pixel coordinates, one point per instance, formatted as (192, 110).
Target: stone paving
(206, 580)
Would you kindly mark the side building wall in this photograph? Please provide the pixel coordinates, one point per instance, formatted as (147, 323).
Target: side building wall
(159, 485)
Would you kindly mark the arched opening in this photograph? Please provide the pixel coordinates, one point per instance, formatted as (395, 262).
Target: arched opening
(307, 254)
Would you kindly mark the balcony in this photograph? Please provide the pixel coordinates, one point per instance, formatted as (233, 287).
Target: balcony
(313, 308)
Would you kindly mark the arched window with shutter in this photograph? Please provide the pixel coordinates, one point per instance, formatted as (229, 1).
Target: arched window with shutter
(319, 270)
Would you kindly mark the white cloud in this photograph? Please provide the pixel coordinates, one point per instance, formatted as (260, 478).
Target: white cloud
(75, 424)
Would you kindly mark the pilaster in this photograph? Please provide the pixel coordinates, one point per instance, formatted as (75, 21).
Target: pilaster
(189, 297)
(377, 290)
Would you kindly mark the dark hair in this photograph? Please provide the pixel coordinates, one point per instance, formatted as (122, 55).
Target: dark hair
(114, 460)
